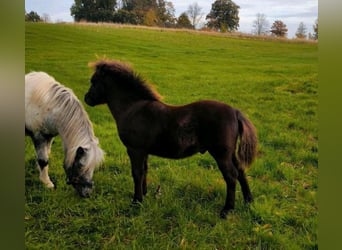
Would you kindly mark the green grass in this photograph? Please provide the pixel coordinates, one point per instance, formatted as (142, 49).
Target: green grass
(274, 83)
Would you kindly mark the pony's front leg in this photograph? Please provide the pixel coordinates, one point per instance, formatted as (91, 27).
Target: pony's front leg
(138, 160)
(43, 146)
(44, 176)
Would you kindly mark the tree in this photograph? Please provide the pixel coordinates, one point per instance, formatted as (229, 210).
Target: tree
(32, 17)
(184, 21)
(93, 10)
(194, 14)
(279, 29)
(151, 12)
(125, 16)
(315, 28)
(150, 18)
(261, 25)
(223, 16)
(139, 5)
(301, 31)
(166, 13)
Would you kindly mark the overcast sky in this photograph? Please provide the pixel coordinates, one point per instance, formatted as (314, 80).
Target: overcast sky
(291, 12)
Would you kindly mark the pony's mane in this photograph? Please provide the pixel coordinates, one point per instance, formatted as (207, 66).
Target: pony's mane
(72, 122)
(129, 79)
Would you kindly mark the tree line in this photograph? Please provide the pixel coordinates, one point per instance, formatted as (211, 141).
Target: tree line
(279, 29)
(223, 16)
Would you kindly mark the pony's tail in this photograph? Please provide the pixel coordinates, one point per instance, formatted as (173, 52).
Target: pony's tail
(247, 149)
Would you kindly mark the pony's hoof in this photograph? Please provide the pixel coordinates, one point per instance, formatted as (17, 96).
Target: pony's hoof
(136, 202)
(224, 213)
(249, 199)
(50, 185)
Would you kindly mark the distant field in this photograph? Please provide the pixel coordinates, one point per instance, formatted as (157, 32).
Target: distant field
(274, 83)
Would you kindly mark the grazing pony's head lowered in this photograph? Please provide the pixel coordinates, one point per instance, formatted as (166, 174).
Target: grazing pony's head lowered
(82, 151)
(80, 168)
(117, 76)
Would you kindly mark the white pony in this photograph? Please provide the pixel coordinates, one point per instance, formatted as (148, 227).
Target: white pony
(52, 109)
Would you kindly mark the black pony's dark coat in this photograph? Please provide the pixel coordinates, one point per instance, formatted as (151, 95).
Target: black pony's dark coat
(148, 126)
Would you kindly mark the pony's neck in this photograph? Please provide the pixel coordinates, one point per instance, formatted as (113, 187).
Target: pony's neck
(80, 134)
(120, 106)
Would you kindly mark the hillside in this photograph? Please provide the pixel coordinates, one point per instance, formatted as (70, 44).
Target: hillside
(273, 82)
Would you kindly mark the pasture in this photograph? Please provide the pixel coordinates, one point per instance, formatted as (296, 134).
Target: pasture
(274, 83)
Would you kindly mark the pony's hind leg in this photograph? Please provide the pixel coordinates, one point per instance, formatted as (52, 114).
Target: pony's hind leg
(247, 195)
(230, 175)
(42, 145)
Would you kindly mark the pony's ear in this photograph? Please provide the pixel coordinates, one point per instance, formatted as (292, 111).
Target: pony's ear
(80, 152)
(101, 68)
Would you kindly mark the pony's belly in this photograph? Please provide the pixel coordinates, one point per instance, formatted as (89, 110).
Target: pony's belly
(37, 121)
(176, 152)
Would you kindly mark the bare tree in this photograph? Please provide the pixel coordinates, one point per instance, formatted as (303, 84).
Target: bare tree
(46, 18)
(195, 14)
(301, 31)
(260, 25)
(315, 28)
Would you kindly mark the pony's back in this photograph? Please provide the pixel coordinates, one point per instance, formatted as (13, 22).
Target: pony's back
(37, 85)
(38, 77)
(36, 80)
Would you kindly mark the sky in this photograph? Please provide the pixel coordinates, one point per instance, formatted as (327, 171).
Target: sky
(291, 12)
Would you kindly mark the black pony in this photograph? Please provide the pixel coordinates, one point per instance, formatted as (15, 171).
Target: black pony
(148, 126)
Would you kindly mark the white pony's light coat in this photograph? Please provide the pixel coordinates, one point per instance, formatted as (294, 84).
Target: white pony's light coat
(54, 109)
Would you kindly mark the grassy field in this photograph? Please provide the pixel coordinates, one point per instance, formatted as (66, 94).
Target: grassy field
(274, 83)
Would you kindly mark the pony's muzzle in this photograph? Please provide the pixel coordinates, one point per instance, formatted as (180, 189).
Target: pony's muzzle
(85, 192)
(84, 189)
(88, 100)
